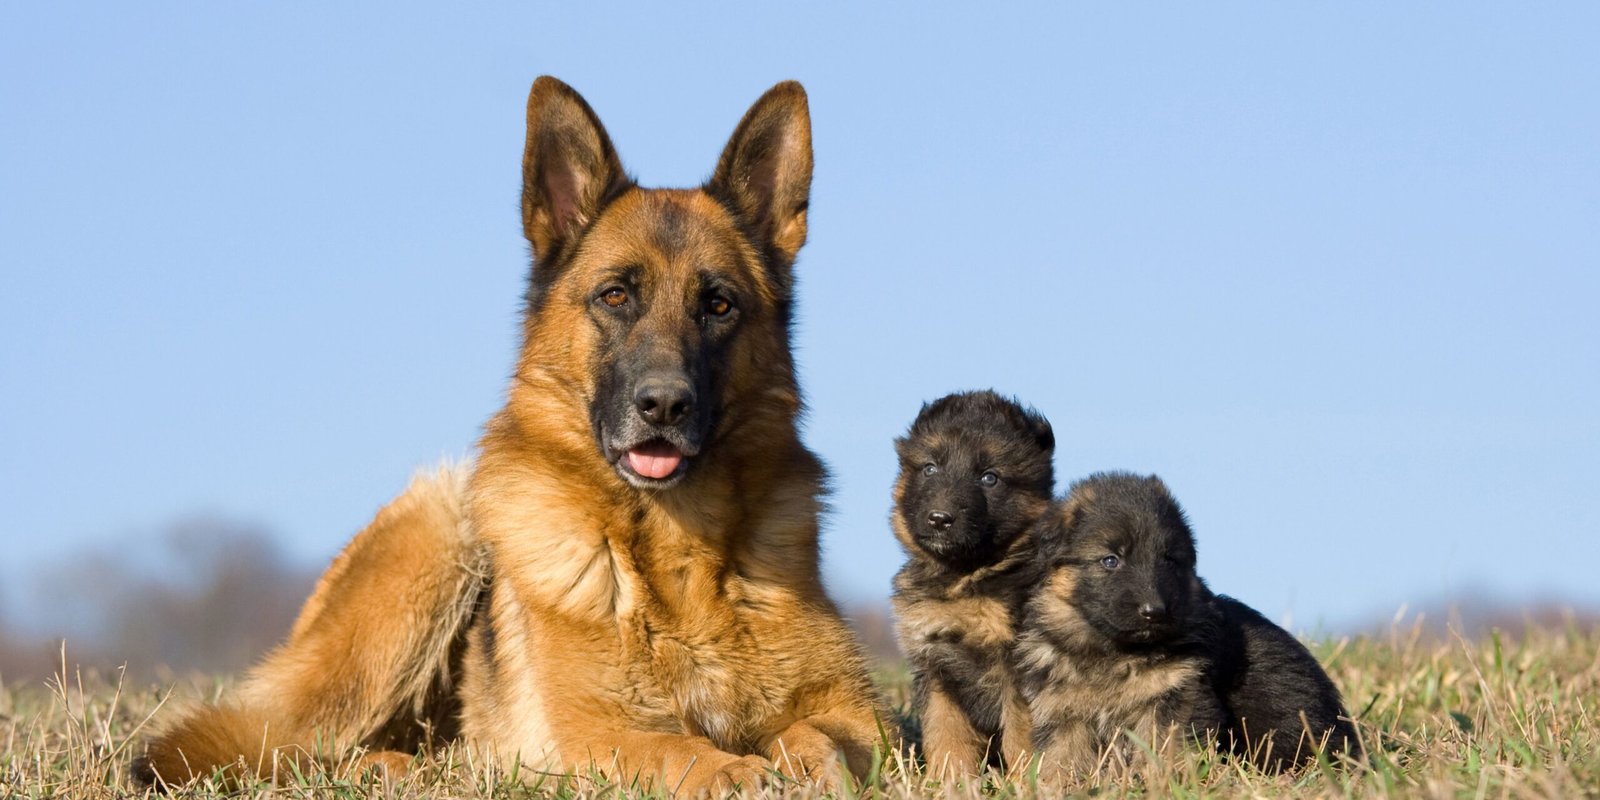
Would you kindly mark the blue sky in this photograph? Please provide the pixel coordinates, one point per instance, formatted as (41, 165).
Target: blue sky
(1330, 270)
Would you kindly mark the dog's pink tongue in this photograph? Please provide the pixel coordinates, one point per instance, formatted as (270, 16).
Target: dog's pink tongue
(654, 459)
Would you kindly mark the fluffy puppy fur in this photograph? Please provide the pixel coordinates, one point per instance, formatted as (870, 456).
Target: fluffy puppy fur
(975, 474)
(1121, 634)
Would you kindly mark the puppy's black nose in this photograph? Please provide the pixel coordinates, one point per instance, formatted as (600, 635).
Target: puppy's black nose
(663, 401)
(940, 520)
(1153, 612)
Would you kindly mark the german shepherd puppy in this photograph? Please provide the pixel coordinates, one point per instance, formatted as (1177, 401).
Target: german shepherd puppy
(975, 474)
(628, 579)
(1121, 634)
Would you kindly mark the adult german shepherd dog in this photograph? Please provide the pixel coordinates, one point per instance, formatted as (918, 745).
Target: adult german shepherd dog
(627, 580)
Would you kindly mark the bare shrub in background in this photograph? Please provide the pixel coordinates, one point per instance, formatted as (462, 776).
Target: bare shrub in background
(210, 595)
(204, 594)
(873, 623)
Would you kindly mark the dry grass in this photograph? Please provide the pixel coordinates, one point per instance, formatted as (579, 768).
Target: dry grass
(1494, 717)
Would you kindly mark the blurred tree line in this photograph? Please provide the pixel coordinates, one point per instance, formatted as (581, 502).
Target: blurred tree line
(205, 594)
(208, 595)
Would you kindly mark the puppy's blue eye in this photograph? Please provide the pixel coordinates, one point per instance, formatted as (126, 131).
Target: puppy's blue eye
(929, 469)
(1110, 562)
(989, 478)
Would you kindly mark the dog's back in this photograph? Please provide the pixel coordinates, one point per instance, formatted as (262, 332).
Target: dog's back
(1283, 707)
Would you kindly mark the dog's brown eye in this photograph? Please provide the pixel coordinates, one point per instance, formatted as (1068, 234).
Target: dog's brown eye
(614, 297)
(718, 306)
(989, 478)
(1110, 562)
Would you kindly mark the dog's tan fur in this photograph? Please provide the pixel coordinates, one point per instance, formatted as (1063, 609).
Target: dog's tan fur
(680, 637)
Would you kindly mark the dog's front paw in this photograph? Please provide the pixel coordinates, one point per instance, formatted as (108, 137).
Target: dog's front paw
(745, 772)
(386, 765)
(809, 756)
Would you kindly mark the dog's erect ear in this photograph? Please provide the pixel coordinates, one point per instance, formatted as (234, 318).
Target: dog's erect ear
(765, 171)
(569, 168)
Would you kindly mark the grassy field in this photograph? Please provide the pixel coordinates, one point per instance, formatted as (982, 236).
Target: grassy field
(1498, 716)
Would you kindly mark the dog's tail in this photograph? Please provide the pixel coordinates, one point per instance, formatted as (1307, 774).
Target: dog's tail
(228, 741)
(370, 661)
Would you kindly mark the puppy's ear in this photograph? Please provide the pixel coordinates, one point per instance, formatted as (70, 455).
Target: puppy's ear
(765, 171)
(1039, 428)
(569, 169)
(901, 443)
(1075, 507)
(1170, 510)
(920, 424)
(1053, 532)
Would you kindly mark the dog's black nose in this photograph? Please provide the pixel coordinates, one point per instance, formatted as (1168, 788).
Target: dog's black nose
(1153, 612)
(663, 401)
(940, 520)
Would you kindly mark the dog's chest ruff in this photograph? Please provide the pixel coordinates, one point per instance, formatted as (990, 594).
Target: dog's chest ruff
(1106, 693)
(684, 632)
(686, 605)
(973, 622)
(698, 672)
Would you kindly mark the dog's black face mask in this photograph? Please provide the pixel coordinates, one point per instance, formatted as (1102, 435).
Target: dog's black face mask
(659, 390)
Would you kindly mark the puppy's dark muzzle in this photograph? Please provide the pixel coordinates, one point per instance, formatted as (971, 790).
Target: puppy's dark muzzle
(1152, 626)
(1154, 613)
(952, 536)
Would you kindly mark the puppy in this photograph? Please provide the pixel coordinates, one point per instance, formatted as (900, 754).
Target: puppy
(975, 475)
(1121, 634)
